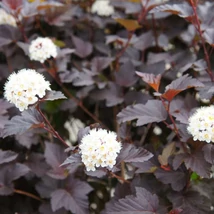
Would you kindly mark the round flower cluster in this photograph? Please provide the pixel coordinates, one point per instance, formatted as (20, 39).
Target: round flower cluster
(41, 49)
(201, 124)
(25, 88)
(99, 148)
(102, 8)
(6, 18)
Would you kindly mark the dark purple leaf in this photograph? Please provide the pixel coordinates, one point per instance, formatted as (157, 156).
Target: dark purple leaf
(190, 202)
(7, 156)
(99, 173)
(82, 132)
(195, 162)
(24, 47)
(177, 179)
(129, 153)
(55, 156)
(36, 162)
(179, 85)
(208, 150)
(45, 208)
(9, 173)
(46, 186)
(182, 10)
(28, 138)
(8, 34)
(155, 68)
(74, 198)
(72, 161)
(100, 63)
(112, 94)
(126, 75)
(20, 124)
(54, 95)
(144, 202)
(209, 36)
(134, 97)
(83, 48)
(144, 41)
(152, 111)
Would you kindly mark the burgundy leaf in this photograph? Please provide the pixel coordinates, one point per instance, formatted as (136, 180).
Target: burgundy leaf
(208, 150)
(190, 202)
(182, 10)
(151, 79)
(74, 198)
(36, 162)
(179, 85)
(126, 75)
(55, 156)
(54, 95)
(129, 153)
(7, 156)
(20, 124)
(100, 63)
(83, 48)
(144, 202)
(177, 179)
(9, 173)
(112, 94)
(152, 111)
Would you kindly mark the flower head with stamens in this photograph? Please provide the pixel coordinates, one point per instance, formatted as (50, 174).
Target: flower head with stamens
(102, 8)
(201, 124)
(6, 18)
(99, 148)
(25, 88)
(42, 49)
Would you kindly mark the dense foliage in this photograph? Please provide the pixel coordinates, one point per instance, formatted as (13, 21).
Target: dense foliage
(140, 69)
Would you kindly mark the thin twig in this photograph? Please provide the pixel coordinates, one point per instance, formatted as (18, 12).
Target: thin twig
(198, 28)
(21, 192)
(51, 127)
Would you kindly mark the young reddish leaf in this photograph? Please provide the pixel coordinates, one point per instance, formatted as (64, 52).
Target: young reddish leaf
(55, 155)
(20, 124)
(151, 79)
(74, 198)
(54, 95)
(182, 10)
(167, 152)
(143, 202)
(177, 179)
(83, 48)
(208, 150)
(12, 4)
(130, 153)
(152, 111)
(179, 85)
(129, 24)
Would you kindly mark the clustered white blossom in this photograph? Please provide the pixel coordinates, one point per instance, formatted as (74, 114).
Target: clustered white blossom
(42, 49)
(25, 88)
(99, 148)
(102, 8)
(201, 124)
(6, 18)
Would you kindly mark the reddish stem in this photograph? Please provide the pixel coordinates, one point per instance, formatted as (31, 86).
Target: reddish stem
(53, 131)
(198, 28)
(21, 192)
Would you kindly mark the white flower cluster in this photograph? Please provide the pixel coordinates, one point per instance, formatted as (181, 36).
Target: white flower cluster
(25, 88)
(201, 124)
(41, 49)
(102, 8)
(99, 148)
(6, 18)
